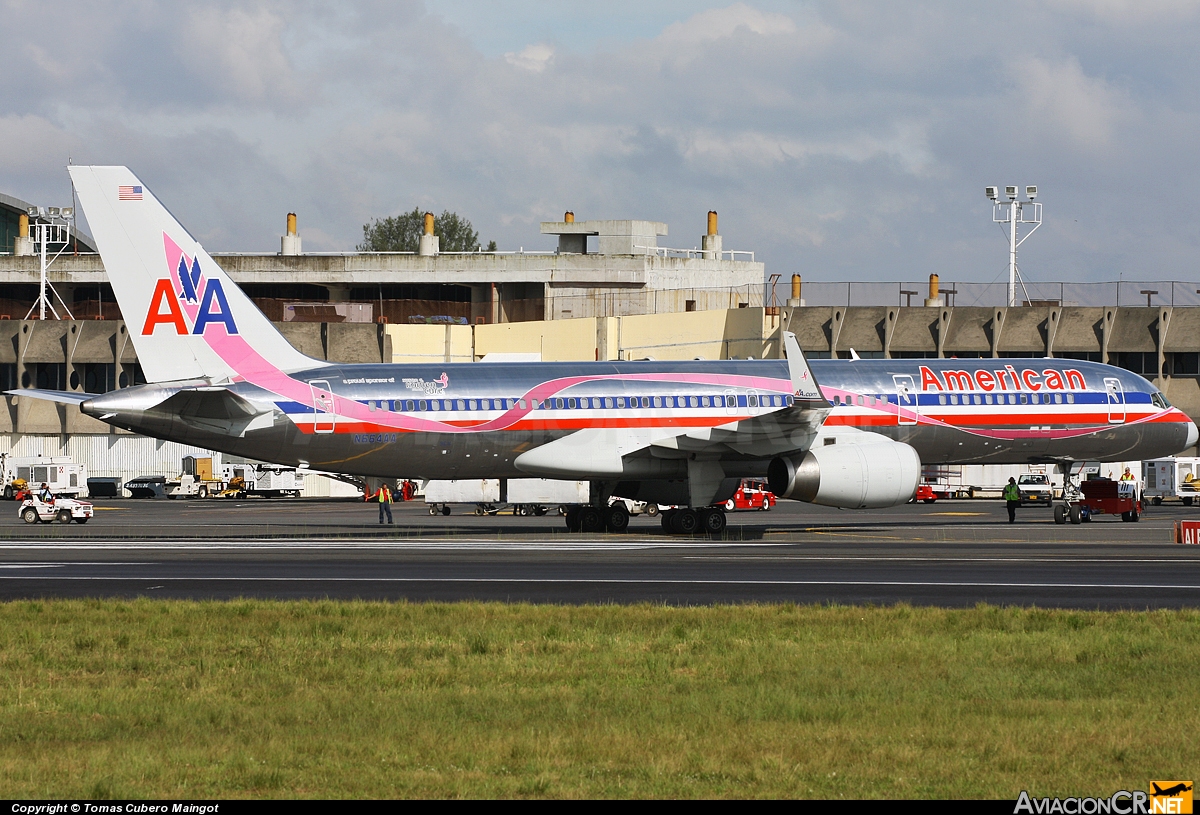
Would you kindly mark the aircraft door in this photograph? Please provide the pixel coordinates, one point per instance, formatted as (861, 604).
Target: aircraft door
(731, 403)
(906, 399)
(324, 414)
(752, 402)
(1115, 396)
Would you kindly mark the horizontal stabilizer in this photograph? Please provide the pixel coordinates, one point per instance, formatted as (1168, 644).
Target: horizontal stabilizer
(62, 397)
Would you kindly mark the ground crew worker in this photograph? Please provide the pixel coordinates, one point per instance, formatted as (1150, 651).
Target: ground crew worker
(1127, 476)
(44, 494)
(384, 496)
(1012, 497)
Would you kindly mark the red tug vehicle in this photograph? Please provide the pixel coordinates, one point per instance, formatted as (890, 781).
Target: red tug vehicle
(1102, 496)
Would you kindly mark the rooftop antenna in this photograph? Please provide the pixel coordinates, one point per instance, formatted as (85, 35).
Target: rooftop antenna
(1014, 212)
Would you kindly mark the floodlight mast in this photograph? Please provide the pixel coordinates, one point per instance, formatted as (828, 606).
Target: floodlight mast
(53, 226)
(1013, 212)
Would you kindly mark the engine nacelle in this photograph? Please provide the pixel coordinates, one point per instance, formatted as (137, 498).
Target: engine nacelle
(855, 476)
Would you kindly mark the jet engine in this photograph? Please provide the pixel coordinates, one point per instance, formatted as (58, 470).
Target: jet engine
(855, 476)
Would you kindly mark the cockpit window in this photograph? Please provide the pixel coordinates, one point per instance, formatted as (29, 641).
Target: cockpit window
(1159, 400)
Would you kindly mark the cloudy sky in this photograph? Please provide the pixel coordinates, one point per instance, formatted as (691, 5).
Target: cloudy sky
(843, 141)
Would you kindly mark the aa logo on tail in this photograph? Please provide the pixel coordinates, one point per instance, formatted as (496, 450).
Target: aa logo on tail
(203, 299)
(1170, 797)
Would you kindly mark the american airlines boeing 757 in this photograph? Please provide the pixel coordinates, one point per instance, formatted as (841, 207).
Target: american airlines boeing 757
(844, 433)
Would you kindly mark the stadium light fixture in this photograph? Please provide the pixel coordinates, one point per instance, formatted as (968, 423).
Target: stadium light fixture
(991, 192)
(1031, 192)
(1011, 192)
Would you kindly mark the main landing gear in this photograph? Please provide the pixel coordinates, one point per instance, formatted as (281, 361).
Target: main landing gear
(683, 521)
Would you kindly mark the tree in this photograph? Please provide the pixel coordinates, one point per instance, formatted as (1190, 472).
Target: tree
(402, 233)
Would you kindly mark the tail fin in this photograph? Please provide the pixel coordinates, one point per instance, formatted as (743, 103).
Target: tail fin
(188, 320)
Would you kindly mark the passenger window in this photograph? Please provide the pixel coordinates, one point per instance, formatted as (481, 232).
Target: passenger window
(571, 403)
(424, 405)
(941, 398)
(521, 404)
(620, 401)
(1070, 398)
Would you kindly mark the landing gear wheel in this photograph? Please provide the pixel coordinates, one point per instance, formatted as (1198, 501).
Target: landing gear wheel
(522, 511)
(685, 522)
(573, 519)
(63, 516)
(590, 520)
(29, 515)
(539, 511)
(713, 521)
(1075, 515)
(478, 510)
(616, 519)
(1125, 516)
(1060, 514)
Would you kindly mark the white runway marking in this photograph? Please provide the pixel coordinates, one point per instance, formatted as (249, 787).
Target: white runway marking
(631, 582)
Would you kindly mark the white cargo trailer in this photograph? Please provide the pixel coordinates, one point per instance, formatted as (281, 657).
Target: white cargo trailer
(1174, 477)
(526, 496)
(270, 480)
(61, 473)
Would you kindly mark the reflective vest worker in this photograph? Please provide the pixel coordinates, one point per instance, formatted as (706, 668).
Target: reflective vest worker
(1127, 476)
(384, 496)
(1012, 496)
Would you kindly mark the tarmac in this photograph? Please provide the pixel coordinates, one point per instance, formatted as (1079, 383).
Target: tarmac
(952, 553)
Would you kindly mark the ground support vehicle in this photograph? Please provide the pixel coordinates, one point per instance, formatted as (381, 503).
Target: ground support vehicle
(491, 496)
(270, 480)
(60, 510)
(1174, 477)
(147, 486)
(925, 494)
(189, 486)
(60, 473)
(751, 495)
(197, 480)
(1035, 488)
(1102, 496)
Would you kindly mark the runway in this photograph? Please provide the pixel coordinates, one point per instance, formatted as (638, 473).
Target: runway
(947, 554)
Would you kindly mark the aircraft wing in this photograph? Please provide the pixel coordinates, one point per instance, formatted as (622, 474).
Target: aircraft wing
(613, 452)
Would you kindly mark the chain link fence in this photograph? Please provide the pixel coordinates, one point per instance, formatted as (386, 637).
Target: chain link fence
(1114, 293)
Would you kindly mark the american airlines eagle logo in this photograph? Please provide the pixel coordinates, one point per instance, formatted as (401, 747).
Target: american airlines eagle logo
(187, 298)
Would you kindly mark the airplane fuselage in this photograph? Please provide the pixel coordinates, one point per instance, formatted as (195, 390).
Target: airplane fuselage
(472, 420)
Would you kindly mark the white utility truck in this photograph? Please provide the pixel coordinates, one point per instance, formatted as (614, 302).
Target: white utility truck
(61, 473)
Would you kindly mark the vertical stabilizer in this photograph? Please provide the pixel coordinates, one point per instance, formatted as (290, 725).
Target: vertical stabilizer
(804, 384)
(187, 319)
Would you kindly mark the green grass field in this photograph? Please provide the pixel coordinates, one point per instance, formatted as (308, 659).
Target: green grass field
(263, 699)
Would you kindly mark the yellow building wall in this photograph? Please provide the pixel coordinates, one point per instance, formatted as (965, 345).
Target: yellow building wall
(428, 343)
(555, 340)
(717, 334)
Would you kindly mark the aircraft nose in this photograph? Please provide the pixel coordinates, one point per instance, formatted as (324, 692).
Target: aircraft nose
(1192, 436)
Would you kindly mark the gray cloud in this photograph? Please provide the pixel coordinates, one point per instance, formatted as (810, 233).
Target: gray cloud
(839, 140)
